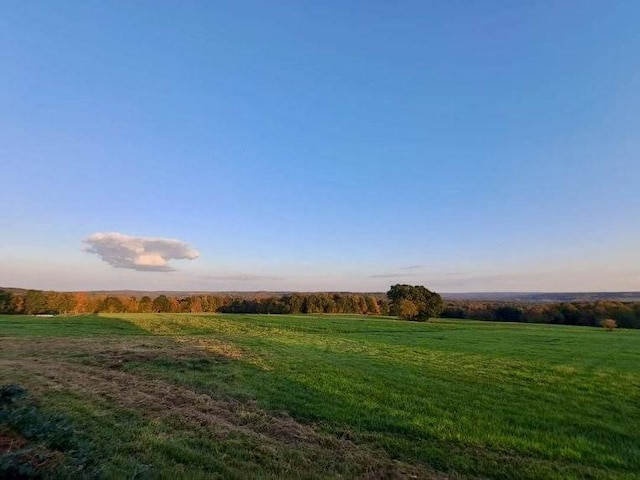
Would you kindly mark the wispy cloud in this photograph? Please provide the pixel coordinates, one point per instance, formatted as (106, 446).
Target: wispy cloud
(239, 277)
(138, 253)
(408, 271)
(394, 275)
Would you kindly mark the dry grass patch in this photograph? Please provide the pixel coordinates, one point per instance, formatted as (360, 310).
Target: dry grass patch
(52, 365)
(162, 401)
(213, 346)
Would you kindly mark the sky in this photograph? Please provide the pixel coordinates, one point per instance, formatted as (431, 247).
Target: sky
(333, 145)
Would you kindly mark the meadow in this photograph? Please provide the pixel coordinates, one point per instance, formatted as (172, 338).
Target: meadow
(284, 396)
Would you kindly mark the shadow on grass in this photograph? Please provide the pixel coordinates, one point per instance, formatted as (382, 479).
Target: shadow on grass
(66, 326)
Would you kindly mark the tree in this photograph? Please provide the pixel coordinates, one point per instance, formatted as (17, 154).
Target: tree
(508, 313)
(415, 303)
(6, 302)
(111, 304)
(195, 305)
(161, 304)
(35, 302)
(145, 305)
(82, 303)
(130, 304)
(372, 305)
(609, 324)
(408, 309)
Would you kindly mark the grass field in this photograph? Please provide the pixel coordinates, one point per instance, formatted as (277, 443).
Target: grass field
(241, 396)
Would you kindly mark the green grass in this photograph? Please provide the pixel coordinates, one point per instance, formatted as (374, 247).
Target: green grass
(468, 398)
(65, 326)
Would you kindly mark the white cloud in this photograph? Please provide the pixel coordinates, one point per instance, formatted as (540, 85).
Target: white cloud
(138, 253)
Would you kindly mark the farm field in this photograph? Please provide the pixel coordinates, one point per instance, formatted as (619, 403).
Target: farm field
(250, 396)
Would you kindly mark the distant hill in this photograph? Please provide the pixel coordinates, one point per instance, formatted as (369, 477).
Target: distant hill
(186, 293)
(545, 297)
(17, 291)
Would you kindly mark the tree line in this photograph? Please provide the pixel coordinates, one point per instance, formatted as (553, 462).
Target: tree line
(34, 302)
(625, 314)
(411, 303)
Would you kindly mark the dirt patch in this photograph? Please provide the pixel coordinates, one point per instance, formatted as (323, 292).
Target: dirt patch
(116, 351)
(213, 346)
(119, 358)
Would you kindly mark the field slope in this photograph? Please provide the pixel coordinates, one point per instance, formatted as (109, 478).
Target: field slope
(241, 396)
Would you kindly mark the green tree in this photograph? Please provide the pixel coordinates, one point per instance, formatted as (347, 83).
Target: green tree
(111, 304)
(6, 302)
(415, 303)
(161, 304)
(35, 301)
(145, 304)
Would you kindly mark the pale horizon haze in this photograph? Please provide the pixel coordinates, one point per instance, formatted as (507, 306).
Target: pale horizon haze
(320, 146)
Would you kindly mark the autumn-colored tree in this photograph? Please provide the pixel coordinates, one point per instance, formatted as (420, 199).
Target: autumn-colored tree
(17, 304)
(174, 305)
(609, 324)
(130, 304)
(407, 309)
(81, 302)
(196, 305)
(372, 305)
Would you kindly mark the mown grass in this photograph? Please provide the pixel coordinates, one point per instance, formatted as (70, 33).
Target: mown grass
(465, 398)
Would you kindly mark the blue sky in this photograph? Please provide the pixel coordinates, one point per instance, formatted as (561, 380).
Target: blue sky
(465, 146)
